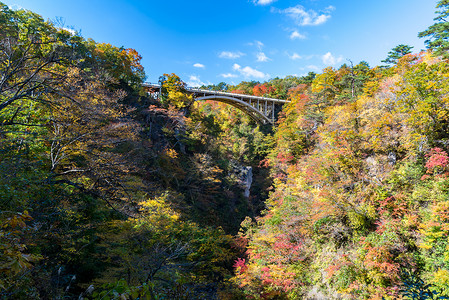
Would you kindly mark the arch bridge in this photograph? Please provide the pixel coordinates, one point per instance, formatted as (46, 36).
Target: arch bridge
(262, 109)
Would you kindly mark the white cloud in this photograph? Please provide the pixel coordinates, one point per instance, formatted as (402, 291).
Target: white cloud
(313, 67)
(295, 35)
(15, 7)
(198, 65)
(257, 44)
(329, 8)
(306, 18)
(330, 60)
(228, 75)
(72, 32)
(195, 81)
(263, 2)
(230, 55)
(249, 72)
(321, 19)
(295, 56)
(261, 57)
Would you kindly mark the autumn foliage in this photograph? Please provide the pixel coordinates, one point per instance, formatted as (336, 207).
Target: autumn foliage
(108, 192)
(360, 173)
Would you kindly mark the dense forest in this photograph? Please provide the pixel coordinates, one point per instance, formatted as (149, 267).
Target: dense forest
(107, 192)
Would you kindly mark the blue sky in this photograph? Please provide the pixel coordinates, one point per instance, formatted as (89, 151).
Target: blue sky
(209, 41)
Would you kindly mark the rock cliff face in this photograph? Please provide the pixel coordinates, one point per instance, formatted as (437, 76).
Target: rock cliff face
(244, 175)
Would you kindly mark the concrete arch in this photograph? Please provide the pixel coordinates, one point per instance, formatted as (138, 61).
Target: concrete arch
(250, 110)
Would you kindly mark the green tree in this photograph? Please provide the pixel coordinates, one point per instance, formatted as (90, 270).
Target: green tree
(396, 53)
(222, 86)
(438, 33)
(308, 79)
(350, 79)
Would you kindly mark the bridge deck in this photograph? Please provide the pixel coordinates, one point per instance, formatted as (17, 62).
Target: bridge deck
(261, 109)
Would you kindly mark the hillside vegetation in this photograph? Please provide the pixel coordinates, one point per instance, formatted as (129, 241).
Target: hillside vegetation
(109, 193)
